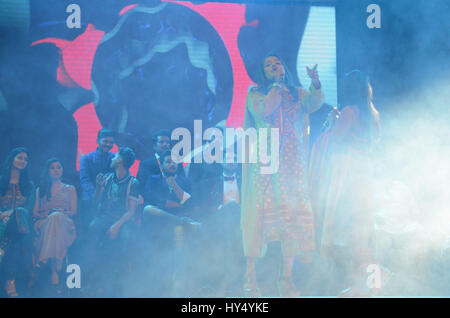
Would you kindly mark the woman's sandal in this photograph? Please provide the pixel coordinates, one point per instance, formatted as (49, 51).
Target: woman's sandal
(251, 287)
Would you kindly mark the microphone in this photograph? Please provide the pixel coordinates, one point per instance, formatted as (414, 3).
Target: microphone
(335, 112)
(279, 82)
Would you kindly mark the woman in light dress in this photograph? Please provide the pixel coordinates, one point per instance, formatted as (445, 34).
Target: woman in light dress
(56, 205)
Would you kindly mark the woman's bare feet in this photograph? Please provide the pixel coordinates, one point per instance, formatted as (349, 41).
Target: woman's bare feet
(286, 287)
(54, 279)
(11, 288)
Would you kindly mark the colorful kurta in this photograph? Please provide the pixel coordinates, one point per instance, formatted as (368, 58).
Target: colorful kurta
(14, 199)
(276, 207)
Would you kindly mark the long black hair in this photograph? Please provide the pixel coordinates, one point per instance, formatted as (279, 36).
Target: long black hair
(24, 179)
(357, 90)
(45, 183)
(264, 84)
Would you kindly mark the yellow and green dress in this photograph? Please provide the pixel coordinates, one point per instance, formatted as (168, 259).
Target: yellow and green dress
(276, 207)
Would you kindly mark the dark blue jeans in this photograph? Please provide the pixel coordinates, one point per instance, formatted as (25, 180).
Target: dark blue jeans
(107, 259)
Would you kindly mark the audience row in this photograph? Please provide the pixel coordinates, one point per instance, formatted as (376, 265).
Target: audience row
(119, 217)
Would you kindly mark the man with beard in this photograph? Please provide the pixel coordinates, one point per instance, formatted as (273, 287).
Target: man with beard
(153, 165)
(168, 226)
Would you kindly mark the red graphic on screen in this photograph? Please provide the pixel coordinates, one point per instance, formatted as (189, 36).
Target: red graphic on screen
(228, 30)
(127, 8)
(61, 73)
(77, 56)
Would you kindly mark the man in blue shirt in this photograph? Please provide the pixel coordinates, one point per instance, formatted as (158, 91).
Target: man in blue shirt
(91, 165)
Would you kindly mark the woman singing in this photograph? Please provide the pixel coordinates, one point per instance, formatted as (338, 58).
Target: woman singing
(276, 207)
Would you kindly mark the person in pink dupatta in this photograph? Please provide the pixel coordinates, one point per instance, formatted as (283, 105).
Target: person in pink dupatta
(345, 195)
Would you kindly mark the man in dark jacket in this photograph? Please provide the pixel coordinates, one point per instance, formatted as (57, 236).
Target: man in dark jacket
(167, 226)
(152, 166)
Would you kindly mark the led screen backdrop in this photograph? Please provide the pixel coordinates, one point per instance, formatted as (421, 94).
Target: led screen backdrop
(139, 67)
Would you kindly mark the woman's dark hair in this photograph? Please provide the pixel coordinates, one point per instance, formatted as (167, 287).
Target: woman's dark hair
(45, 183)
(24, 179)
(264, 84)
(357, 91)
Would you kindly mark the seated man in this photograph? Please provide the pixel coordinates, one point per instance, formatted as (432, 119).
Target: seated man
(92, 164)
(152, 165)
(165, 216)
(219, 201)
(112, 232)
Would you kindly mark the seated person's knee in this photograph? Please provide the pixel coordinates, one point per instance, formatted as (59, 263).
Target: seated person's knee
(150, 211)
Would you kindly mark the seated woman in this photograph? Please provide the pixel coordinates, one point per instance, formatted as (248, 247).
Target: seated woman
(16, 199)
(56, 204)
